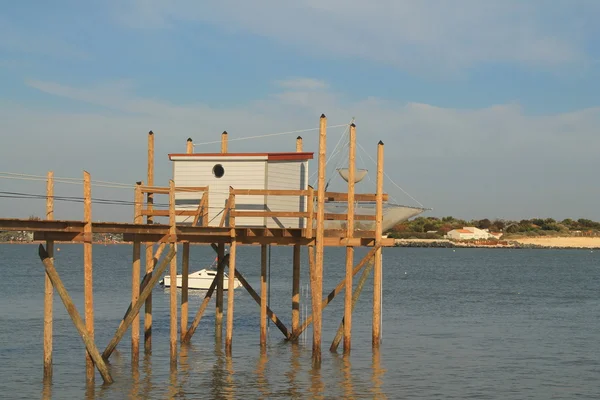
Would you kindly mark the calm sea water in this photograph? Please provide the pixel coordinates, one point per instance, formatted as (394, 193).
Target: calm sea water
(470, 323)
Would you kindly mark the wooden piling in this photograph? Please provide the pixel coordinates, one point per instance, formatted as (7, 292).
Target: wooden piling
(231, 282)
(263, 295)
(48, 289)
(220, 269)
(219, 299)
(318, 270)
(87, 270)
(126, 322)
(84, 332)
(361, 282)
(185, 268)
(296, 289)
(150, 263)
(173, 274)
(340, 286)
(256, 298)
(378, 234)
(224, 142)
(299, 144)
(135, 277)
(349, 249)
(296, 266)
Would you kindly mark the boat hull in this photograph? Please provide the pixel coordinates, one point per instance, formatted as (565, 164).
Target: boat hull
(199, 282)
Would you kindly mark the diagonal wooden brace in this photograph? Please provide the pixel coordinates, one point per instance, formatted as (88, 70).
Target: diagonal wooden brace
(138, 305)
(335, 292)
(361, 282)
(220, 268)
(256, 298)
(146, 279)
(75, 317)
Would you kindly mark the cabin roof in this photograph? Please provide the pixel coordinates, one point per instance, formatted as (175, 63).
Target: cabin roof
(281, 156)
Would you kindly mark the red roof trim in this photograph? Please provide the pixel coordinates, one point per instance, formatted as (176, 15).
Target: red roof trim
(282, 156)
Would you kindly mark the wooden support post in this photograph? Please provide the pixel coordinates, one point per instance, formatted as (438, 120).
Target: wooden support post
(150, 263)
(340, 286)
(296, 265)
(173, 274)
(310, 209)
(296, 289)
(87, 270)
(356, 295)
(349, 249)
(138, 305)
(88, 340)
(299, 144)
(263, 295)
(219, 299)
(48, 290)
(185, 268)
(189, 148)
(256, 298)
(378, 235)
(135, 277)
(145, 279)
(220, 269)
(224, 142)
(231, 282)
(318, 270)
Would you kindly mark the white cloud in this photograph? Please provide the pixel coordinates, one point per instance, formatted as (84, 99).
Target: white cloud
(423, 36)
(302, 83)
(469, 162)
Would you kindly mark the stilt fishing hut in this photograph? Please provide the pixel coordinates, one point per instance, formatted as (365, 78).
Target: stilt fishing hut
(228, 198)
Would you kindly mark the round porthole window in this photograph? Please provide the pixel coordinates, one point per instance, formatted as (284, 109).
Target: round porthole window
(218, 171)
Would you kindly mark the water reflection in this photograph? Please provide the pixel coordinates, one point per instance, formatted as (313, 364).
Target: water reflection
(377, 375)
(47, 389)
(261, 377)
(146, 384)
(316, 382)
(293, 390)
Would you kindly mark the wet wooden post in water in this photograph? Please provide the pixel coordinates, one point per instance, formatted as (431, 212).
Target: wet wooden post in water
(185, 267)
(317, 275)
(378, 235)
(220, 256)
(87, 270)
(150, 264)
(349, 249)
(135, 276)
(219, 298)
(231, 281)
(173, 275)
(263, 295)
(48, 289)
(296, 267)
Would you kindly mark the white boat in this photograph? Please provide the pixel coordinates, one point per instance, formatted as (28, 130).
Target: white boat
(201, 280)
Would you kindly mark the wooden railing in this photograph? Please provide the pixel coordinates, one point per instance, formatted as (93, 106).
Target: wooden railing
(309, 214)
(229, 211)
(199, 213)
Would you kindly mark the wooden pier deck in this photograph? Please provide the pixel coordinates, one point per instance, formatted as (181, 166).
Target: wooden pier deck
(310, 232)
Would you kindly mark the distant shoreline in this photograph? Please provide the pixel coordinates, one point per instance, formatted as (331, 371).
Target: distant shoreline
(517, 243)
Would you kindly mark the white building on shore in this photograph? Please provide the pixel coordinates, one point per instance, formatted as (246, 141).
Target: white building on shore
(470, 232)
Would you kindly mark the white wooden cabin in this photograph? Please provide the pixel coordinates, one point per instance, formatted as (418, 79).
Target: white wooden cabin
(219, 171)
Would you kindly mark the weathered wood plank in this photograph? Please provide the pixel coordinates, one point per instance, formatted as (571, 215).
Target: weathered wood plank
(136, 307)
(75, 317)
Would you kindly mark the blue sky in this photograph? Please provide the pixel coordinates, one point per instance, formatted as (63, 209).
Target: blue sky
(487, 109)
